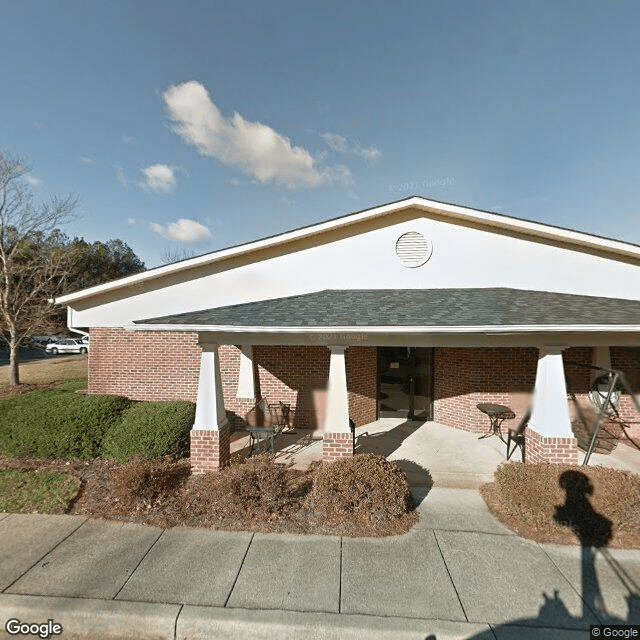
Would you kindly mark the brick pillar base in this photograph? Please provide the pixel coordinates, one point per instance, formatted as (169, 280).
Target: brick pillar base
(336, 446)
(209, 449)
(539, 448)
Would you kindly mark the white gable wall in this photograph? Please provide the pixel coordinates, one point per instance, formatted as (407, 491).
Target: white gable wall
(462, 257)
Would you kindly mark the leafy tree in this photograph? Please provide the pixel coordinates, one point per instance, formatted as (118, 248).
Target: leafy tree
(100, 262)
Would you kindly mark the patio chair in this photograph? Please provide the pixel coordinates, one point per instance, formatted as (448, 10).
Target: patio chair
(265, 422)
(516, 436)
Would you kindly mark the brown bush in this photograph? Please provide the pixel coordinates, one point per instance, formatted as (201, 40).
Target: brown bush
(144, 483)
(366, 484)
(527, 497)
(256, 487)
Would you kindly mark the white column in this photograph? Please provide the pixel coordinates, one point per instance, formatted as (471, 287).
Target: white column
(246, 387)
(210, 413)
(550, 410)
(601, 358)
(337, 419)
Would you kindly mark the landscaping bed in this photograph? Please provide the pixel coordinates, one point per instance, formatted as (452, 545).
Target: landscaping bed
(254, 495)
(129, 459)
(567, 504)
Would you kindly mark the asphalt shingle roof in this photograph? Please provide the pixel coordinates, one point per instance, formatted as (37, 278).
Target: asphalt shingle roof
(417, 307)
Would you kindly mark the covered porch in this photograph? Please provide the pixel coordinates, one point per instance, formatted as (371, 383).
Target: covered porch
(336, 322)
(429, 453)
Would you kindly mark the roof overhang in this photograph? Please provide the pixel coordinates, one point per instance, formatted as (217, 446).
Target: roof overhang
(477, 336)
(453, 212)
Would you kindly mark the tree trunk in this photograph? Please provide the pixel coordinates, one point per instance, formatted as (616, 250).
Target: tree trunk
(14, 360)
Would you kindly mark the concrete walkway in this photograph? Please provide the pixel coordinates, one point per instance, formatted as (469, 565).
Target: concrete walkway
(458, 574)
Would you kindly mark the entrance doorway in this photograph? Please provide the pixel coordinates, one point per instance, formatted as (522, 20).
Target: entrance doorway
(405, 382)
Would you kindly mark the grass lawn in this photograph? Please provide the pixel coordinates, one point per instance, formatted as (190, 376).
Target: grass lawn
(36, 491)
(49, 370)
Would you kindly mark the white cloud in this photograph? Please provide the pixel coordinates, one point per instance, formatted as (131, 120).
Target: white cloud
(131, 222)
(370, 154)
(87, 160)
(255, 148)
(335, 142)
(32, 181)
(129, 140)
(182, 230)
(120, 177)
(339, 143)
(159, 178)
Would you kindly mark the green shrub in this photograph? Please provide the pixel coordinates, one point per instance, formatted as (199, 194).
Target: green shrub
(366, 484)
(151, 430)
(74, 384)
(57, 424)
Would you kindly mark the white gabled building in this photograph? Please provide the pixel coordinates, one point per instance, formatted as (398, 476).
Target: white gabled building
(416, 308)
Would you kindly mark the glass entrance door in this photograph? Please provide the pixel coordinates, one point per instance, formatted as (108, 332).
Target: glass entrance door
(405, 382)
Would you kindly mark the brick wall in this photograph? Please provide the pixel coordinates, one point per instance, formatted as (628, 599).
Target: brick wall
(156, 365)
(628, 360)
(465, 377)
(144, 365)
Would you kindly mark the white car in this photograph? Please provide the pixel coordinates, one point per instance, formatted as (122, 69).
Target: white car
(69, 345)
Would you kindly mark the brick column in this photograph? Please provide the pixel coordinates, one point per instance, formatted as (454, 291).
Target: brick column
(337, 439)
(549, 437)
(336, 446)
(210, 432)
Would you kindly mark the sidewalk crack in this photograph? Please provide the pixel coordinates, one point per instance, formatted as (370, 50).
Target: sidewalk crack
(175, 626)
(45, 555)
(453, 584)
(139, 563)
(244, 557)
(340, 581)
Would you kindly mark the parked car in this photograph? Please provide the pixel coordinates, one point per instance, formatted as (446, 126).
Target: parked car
(43, 340)
(70, 345)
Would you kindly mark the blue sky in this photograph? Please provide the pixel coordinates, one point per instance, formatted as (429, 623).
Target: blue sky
(199, 125)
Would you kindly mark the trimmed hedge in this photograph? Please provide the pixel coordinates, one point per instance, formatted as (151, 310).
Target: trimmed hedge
(151, 430)
(57, 423)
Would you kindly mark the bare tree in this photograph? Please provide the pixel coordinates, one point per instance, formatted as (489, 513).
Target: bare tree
(33, 264)
(170, 255)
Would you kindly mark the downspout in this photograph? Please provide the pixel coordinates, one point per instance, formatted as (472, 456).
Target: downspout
(70, 322)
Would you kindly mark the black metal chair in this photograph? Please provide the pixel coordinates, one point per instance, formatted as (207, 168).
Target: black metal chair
(265, 422)
(516, 437)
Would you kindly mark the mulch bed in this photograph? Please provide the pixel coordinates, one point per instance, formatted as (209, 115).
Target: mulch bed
(96, 499)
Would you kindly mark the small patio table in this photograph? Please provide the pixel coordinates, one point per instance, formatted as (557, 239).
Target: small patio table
(497, 413)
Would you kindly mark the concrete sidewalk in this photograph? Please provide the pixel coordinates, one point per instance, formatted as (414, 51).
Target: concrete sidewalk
(458, 574)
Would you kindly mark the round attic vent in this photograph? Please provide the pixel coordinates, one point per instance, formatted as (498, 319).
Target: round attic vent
(413, 249)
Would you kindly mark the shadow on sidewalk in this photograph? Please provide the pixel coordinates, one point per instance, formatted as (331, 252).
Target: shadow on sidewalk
(594, 532)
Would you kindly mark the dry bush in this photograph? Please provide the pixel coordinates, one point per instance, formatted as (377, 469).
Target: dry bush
(366, 485)
(142, 483)
(253, 488)
(529, 498)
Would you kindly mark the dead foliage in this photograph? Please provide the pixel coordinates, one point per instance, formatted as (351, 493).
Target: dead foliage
(365, 486)
(251, 495)
(567, 504)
